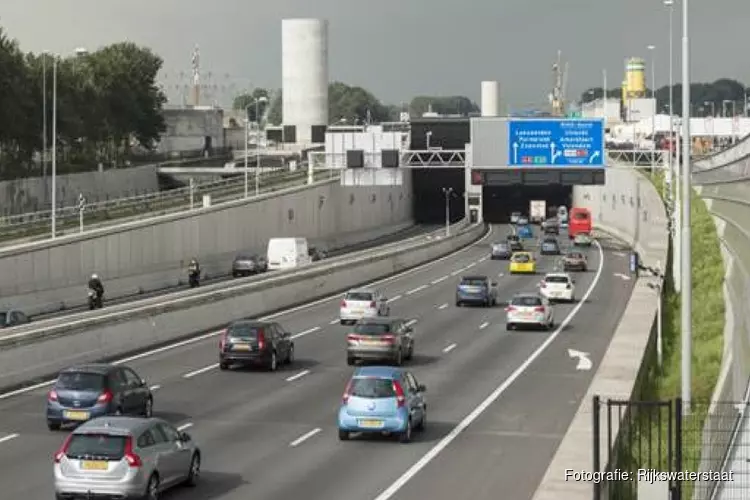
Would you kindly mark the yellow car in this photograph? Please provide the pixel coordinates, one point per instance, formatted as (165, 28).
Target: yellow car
(522, 263)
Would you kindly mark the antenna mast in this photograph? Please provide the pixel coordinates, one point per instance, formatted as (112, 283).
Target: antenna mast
(557, 95)
(196, 65)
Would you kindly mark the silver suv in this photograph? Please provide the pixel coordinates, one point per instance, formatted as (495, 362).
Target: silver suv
(125, 457)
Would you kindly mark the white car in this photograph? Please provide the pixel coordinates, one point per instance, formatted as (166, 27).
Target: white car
(529, 310)
(558, 287)
(359, 304)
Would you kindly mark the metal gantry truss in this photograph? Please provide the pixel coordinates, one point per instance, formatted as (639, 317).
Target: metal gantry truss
(433, 158)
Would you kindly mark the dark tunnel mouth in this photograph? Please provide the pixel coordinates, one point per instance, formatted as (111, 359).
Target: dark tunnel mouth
(498, 202)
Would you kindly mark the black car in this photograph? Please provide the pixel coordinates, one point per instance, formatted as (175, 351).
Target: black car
(245, 265)
(84, 392)
(252, 342)
(551, 226)
(514, 242)
(500, 251)
(316, 254)
(11, 318)
(550, 246)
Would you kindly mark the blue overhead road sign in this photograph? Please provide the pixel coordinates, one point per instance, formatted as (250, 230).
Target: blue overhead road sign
(556, 142)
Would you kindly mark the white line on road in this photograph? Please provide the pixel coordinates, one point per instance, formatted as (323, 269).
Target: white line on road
(442, 306)
(500, 275)
(477, 412)
(439, 280)
(297, 376)
(618, 254)
(483, 258)
(470, 266)
(394, 299)
(449, 348)
(8, 437)
(155, 387)
(185, 426)
(305, 437)
(335, 321)
(418, 289)
(201, 370)
(484, 325)
(305, 332)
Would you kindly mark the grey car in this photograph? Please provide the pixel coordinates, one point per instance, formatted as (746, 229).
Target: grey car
(125, 457)
(12, 318)
(380, 339)
(245, 265)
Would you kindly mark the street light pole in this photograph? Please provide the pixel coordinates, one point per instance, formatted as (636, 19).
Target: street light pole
(686, 291)
(447, 192)
(53, 213)
(261, 99)
(247, 121)
(652, 49)
(44, 115)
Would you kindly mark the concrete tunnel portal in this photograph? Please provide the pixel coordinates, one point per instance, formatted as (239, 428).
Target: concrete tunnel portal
(498, 202)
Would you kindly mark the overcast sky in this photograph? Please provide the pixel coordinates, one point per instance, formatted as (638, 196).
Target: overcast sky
(400, 48)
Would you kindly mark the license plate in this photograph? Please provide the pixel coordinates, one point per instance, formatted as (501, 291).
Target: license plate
(94, 465)
(241, 347)
(371, 424)
(76, 415)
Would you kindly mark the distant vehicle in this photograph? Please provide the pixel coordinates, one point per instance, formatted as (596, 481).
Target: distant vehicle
(125, 457)
(522, 221)
(525, 232)
(479, 290)
(246, 264)
(582, 240)
(562, 215)
(522, 263)
(514, 217)
(382, 400)
(363, 303)
(537, 211)
(575, 261)
(580, 221)
(11, 317)
(500, 251)
(551, 226)
(380, 339)
(287, 253)
(550, 246)
(84, 392)
(558, 287)
(317, 254)
(253, 342)
(515, 243)
(529, 310)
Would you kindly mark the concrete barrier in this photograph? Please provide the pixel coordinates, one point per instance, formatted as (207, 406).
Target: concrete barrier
(628, 207)
(153, 254)
(33, 353)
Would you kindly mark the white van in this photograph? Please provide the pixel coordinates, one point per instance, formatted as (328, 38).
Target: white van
(287, 253)
(562, 214)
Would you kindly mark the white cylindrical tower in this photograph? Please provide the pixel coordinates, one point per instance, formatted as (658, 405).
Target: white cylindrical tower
(490, 98)
(304, 75)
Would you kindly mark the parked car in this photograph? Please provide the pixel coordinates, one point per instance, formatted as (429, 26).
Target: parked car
(247, 264)
(12, 317)
(253, 342)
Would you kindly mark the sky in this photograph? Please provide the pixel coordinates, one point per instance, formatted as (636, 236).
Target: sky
(400, 48)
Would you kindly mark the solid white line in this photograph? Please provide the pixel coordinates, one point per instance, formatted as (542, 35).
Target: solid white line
(155, 387)
(483, 258)
(9, 437)
(334, 321)
(484, 325)
(449, 348)
(457, 272)
(393, 299)
(439, 280)
(305, 332)
(309, 305)
(305, 437)
(476, 412)
(185, 426)
(297, 376)
(443, 306)
(418, 289)
(470, 266)
(201, 370)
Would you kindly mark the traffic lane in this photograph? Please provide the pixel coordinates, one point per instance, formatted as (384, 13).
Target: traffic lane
(509, 446)
(226, 405)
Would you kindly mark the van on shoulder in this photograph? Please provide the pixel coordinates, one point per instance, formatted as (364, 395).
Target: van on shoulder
(287, 253)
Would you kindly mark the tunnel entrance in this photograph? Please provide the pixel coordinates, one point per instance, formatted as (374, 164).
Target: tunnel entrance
(429, 199)
(498, 202)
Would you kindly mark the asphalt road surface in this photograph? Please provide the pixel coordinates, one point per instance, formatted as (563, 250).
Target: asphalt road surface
(499, 402)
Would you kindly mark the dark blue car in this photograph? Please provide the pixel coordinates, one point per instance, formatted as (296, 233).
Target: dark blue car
(479, 290)
(525, 232)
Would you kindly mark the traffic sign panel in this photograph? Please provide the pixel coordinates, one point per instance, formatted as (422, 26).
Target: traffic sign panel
(560, 143)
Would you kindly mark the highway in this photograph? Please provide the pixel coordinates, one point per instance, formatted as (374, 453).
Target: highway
(499, 402)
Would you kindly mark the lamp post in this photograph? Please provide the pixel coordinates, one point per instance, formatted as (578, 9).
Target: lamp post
(448, 192)
(652, 50)
(261, 99)
(44, 115)
(713, 107)
(53, 213)
(247, 129)
(672, 154)
(686, 291)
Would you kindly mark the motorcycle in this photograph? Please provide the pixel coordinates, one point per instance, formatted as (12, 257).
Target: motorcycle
(95, 300)
(194, 278)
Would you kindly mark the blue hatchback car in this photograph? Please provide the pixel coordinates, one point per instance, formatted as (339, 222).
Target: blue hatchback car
(524, 232)
(380, 400)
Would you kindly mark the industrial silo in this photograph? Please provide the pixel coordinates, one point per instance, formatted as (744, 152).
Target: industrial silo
(635, 74)
(490, 98)
(304, 76)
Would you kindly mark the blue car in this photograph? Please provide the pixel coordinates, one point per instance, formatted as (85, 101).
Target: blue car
(480, 290)
(382, 400)
(525, 232)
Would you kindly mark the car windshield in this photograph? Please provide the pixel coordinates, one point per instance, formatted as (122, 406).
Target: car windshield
(549, 243)
(372, 388)
(526, 301)
(372, 328)
(473, 282)
(575, 256)
(556, 279)
(580, 216)
(500, 246)
(522, 257)
(249, 332)
(515, 214)
(359, 296)
(80, 381)
(96, 446)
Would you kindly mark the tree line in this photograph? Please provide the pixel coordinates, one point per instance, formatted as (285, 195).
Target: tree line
(108, 102)
(722, 97)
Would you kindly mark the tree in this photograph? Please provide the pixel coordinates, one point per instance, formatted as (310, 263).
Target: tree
(354, 105)
(451, 105)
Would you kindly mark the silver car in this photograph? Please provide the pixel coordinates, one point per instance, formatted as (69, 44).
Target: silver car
(388, 339)
(125, 457)
(245, 265)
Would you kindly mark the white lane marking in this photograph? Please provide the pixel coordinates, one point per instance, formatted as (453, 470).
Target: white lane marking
(449, 348)
(9, 437)
(483, 259)
(201, 370)
(618, 254)
(500, 275)
(442, 306)
(457, 272)
(470, 266)
(484, 325)
(418, 289)
(305, 332)
(309, 305)
(334, 321)
(439, 280)
(393, 299)
(476, 412)
(298, 376)
(185, 426)
(155, 387)
(305, 437)
(411, 322)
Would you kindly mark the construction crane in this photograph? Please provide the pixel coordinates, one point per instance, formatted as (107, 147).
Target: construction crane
(559, 83)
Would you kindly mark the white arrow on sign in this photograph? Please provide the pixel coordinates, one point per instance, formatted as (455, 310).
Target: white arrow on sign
(553, 152)
(584, 363)
(594, 156)
(515, 152)
(623, 276)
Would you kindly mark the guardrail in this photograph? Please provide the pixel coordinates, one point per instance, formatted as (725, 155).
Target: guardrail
(32, 351)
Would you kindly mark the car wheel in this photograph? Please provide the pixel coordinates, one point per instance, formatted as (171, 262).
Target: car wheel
(405, 435)
(223, 366)
(343, 435)
(343, 321)
(152, 489)
(290, 355)
(458, 303)
(399, 360)
(53, 426)
(118, 412)
(410, 354)
(195, 471)
(422, 423)
(148, 409)
(351, 361)
(509, 326)
(273, 364)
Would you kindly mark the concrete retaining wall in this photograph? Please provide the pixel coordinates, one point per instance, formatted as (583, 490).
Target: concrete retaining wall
(629, 207)
(153, 254)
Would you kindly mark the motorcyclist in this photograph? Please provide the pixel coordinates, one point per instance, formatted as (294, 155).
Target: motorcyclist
(194, 272)
(96, 285)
